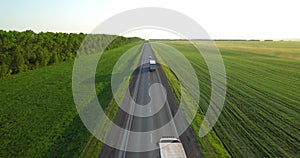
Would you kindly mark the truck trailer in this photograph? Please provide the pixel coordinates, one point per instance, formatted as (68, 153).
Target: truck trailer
(152, 65)
(171, 147)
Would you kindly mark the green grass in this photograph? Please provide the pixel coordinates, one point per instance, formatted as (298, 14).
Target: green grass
(260, 117)
(38, 117)
(283, 49)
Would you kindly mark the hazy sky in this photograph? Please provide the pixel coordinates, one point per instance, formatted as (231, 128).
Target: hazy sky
(250, 19)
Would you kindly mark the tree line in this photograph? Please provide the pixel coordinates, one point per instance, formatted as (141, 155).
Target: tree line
(24, 51)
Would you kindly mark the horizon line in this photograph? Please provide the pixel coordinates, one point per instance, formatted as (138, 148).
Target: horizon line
(212, 39)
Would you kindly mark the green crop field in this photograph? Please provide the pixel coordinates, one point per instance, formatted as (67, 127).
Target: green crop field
(260, 117)
(38, 117)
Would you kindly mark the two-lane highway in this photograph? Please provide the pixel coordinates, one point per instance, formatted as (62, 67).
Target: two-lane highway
(151, 119)
(151, 123)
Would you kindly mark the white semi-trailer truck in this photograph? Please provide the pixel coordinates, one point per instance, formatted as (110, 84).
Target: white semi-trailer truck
(152, 65)
(171, 147)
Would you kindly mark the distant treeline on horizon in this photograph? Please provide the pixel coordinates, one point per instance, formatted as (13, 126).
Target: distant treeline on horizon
(27, 50)
(211, 40)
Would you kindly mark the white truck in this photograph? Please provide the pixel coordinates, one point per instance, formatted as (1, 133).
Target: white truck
(152, 65)
(171, 147)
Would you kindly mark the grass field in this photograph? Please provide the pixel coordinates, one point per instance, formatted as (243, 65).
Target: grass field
(260, 117)
(283, 49)
(38, 117)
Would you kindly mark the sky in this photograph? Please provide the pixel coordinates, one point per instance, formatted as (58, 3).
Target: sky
(222, 19)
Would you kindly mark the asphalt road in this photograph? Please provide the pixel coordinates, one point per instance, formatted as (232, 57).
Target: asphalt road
(161, 118)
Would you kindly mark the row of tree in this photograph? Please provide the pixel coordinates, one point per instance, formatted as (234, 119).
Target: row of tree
(23, 51)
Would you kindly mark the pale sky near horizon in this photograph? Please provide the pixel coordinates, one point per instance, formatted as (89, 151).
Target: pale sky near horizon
(222, 19)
